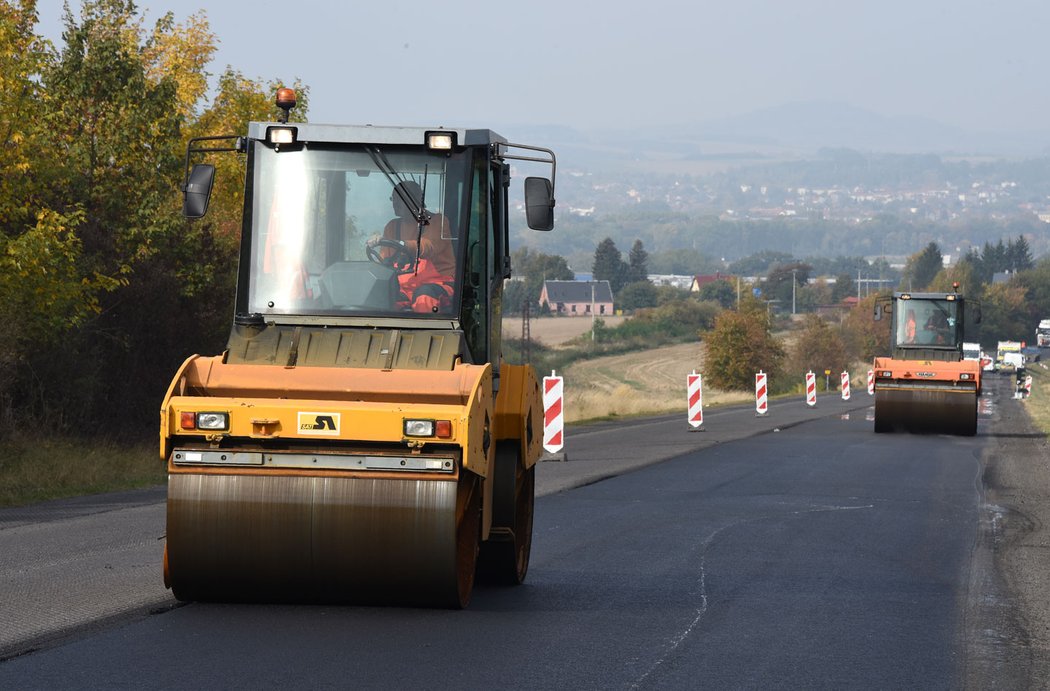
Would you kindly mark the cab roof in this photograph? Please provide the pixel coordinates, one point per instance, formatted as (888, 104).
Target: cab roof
(372, 134)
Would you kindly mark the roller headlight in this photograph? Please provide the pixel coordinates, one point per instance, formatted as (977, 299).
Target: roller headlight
(213, 421)
(281, 135)
(419, 428)
(441, 141)
(428, 428)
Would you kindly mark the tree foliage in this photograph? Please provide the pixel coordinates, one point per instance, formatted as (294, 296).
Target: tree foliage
(1004, 314)
(103, 286)
(637, 263)
(922, 267)
(1036, 283)
(784, 280)
(721, 291)
(531, 269)
(843, 288)
(638, 295)
(863, 337)
(740, 344)
(819, 346)
(609, 265)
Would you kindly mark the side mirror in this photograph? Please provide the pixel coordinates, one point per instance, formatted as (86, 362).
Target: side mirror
(878, 311)
(539, 203)
(196, 193)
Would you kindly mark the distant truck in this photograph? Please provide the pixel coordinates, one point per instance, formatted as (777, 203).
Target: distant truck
(1042, 334)
(1008, 356)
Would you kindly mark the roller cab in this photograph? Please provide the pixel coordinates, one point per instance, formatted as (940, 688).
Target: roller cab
(926, 385)
(360, 438)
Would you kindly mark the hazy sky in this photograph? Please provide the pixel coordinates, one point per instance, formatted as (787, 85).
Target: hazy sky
(973, 64)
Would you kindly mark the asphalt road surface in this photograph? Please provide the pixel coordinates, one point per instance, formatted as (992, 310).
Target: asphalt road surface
(798, 550)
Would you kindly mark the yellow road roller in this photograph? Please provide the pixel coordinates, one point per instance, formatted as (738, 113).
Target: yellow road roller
(926, 385)
(360, 439)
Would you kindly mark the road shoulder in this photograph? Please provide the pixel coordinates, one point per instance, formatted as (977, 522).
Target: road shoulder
(1008, 612)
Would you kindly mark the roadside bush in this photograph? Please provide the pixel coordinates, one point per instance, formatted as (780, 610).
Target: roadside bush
(863, 337)
(740, 344)
(819, 346)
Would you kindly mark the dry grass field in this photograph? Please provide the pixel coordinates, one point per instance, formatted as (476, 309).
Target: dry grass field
(554, 331)
(638, 383)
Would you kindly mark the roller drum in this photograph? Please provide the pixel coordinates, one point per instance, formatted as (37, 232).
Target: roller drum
(926, 410)
(311, 538)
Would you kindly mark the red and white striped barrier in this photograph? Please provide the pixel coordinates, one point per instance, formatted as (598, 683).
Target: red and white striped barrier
(553, 425)
(871, 382)
(811, 389)
(761, 394)
(695, 395)
(1028, 385)
(845, 386)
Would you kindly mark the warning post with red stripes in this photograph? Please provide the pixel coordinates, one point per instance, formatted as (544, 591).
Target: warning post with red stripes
(761, 394)
(553, 420)
(695, 395)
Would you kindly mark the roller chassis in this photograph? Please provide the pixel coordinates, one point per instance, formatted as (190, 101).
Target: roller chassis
(925, 385)
(355, 443)
(926, 397)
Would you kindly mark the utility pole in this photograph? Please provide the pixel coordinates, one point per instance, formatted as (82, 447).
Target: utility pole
(526, 333)
(592, 311)
(793, 284)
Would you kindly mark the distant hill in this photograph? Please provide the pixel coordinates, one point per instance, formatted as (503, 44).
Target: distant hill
(817, 124)
(792, 130)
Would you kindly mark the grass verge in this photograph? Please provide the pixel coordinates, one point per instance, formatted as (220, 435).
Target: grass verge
(1038, 404)
(33, 470)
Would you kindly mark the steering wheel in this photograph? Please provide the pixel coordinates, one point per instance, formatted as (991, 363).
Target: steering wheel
(400, 260)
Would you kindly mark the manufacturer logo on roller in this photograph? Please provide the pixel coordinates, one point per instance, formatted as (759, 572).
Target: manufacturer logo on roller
(319, 424)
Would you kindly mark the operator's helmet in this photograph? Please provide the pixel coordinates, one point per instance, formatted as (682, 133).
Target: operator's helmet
(410, 191)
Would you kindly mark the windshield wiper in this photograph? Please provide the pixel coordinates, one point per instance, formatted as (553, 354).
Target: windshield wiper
(419, 212)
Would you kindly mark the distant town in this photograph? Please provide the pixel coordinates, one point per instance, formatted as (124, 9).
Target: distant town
(843, 204)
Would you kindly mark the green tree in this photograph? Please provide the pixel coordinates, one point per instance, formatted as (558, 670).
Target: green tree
(609, 265)
(740, 344)
(759, 263)
(995, 259)
(818, 346)
(637, 295)
(813, 295)
(530, 270)
(637, 267)
(23, 57)
(682, 262)
(922, 267)
(1004, 314)
(1019, 255)
(962, 274)
(977, 271)
(842, 288)
(863, 337)
(784, 280)
(721, 291)
(1036, 282)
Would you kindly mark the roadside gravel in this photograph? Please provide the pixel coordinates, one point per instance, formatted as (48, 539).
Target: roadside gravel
(1010, 580)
